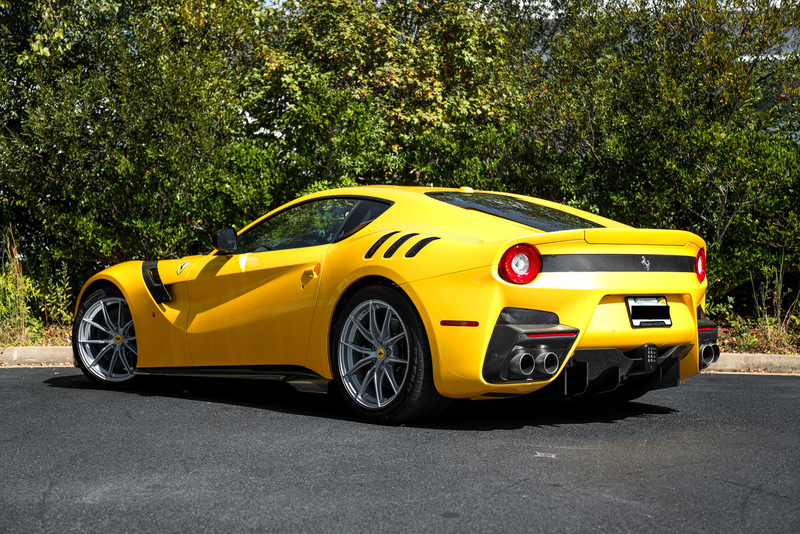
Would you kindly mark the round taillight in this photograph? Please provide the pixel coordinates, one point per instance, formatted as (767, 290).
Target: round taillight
(700, 265)
(520, 264)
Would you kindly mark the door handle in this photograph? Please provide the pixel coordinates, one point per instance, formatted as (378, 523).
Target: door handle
(311, 272)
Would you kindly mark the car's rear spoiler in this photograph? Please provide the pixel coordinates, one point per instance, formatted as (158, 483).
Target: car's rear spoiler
(625, 236)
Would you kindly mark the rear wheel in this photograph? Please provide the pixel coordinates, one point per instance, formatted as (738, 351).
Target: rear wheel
(103, 338)
(381, 358)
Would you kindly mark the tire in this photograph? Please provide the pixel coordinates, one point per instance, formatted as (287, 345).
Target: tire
(381, 358)
(103, 338)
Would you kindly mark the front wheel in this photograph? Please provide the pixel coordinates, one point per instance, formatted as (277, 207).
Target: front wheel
(382, 359)
(103, 338)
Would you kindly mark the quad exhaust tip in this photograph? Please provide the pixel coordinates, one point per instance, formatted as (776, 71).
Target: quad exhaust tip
(547, 363)
(709, 354)
(524, 364)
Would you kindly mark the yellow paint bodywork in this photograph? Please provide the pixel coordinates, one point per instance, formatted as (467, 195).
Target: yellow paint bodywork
(277, 307)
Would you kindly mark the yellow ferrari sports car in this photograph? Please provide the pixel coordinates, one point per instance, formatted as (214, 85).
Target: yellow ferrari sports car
(404, 297)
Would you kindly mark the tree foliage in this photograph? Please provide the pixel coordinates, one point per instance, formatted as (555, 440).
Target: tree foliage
(672, 115)
(129, 140)
(133, 129)
(388, 92)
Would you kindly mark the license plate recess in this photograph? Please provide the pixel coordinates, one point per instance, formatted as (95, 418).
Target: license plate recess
(648, 312)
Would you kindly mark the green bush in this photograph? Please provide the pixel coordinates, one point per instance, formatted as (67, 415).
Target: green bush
(19, 325)
(134, 130)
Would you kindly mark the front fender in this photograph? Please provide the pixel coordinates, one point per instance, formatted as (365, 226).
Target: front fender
(160, 327)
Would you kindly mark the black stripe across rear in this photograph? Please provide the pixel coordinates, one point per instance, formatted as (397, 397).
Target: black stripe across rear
(580, 263)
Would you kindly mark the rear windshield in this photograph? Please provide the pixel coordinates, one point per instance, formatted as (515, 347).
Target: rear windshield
(536, 216)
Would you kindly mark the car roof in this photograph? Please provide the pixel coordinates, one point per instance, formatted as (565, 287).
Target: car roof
(419, 209)
(419, 194)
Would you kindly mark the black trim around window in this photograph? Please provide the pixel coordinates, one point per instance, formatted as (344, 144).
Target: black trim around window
(366, 211)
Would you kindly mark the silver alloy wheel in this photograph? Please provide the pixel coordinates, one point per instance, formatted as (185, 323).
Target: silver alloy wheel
(374, 354)
(106, 340)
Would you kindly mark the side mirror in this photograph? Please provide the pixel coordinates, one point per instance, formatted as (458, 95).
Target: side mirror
(225, 240)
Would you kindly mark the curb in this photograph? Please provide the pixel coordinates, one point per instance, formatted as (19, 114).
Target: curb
(35, 356)
(771, 363)
(728, 361)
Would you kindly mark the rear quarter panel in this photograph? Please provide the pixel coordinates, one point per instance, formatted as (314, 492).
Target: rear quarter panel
(593, 302)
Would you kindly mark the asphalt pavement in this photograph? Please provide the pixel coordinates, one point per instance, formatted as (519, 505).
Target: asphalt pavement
(717, 454)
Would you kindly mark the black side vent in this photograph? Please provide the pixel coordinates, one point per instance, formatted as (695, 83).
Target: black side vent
(413, 251)
(397, 244)
(153, 282)
(374, 248)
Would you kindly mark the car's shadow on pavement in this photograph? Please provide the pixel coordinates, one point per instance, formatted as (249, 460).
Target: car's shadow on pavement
(262, 394)
(508, 414)
(500, 414)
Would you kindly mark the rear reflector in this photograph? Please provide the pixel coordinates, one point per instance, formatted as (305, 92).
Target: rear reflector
(459, 323)
(554, 334)
(706, 329)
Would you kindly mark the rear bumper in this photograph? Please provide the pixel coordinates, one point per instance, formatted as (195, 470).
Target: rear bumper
(584, 371)
(476, 362)
(596, 371)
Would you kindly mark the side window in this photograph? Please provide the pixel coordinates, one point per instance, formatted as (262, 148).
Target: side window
(305, 225)
(367, 211)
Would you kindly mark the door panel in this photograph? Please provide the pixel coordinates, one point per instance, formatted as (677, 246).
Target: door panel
(253, 309)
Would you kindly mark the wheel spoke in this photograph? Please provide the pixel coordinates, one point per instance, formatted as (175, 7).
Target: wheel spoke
(113, 362)
(96, 341)
(119, 316)
(130, 347)
(376, 379)
(124, 361)
(356, 348)
(100, 354)
(393, 360)
(390, 375)
(96, 325)
(394, 339)
(364, 332)
(106, 316)
(360, 365)
(365, 383)
(373, 323)
(386, 325)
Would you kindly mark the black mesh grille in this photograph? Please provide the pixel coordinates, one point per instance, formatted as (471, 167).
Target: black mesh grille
(374, 248)
(397, 244)
(413, 251)
(526, 316)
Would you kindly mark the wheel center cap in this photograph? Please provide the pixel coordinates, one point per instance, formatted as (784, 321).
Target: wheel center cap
(118, 339)
(381, 353)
